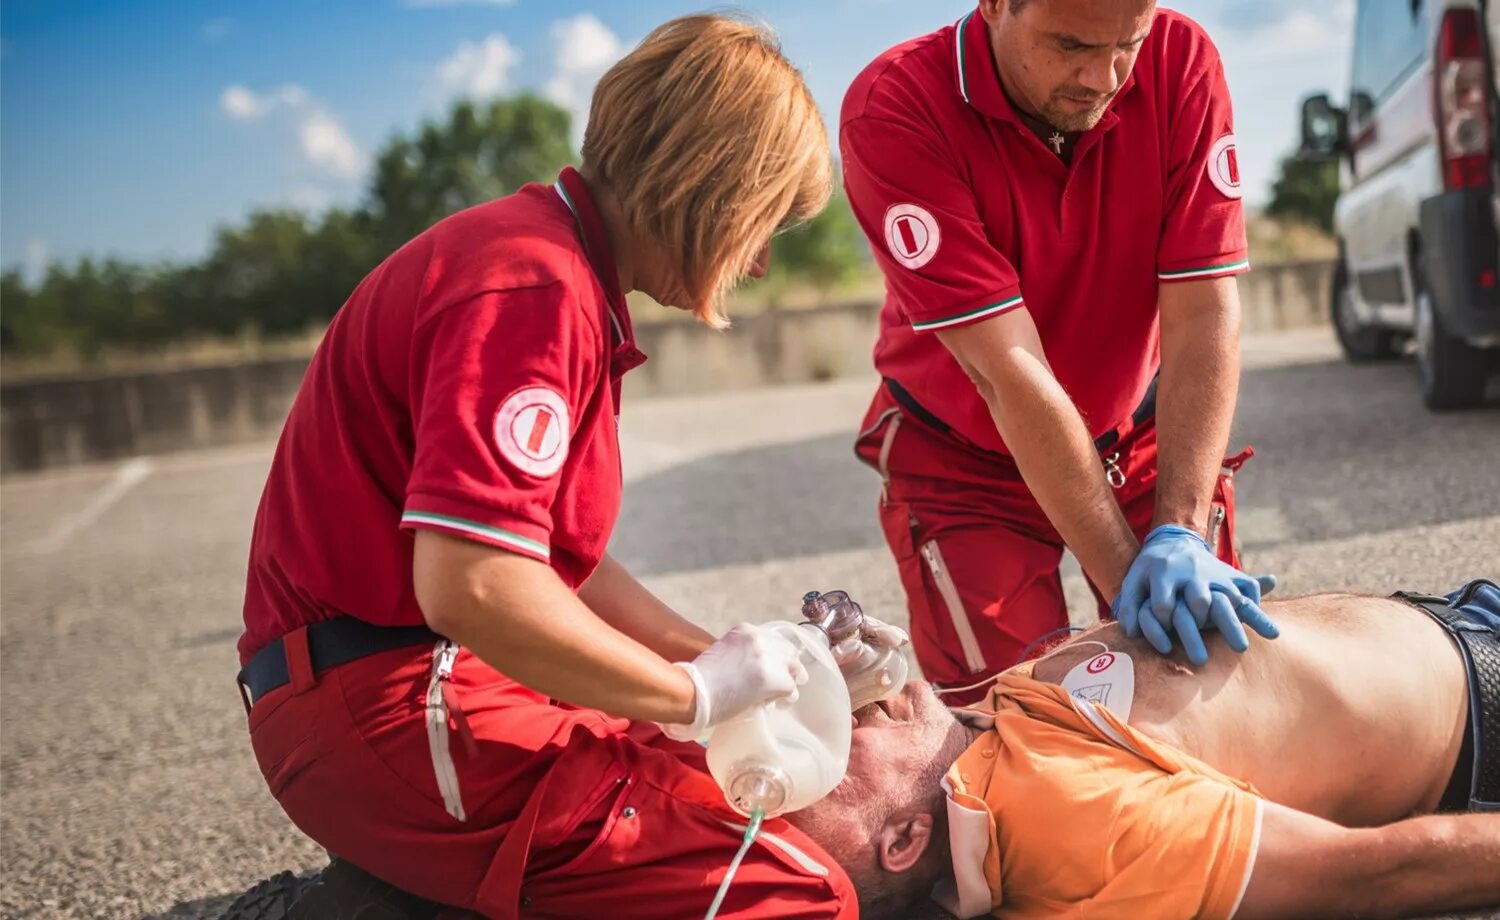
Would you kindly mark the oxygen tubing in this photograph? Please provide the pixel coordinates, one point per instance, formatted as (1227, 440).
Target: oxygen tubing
(756, 816)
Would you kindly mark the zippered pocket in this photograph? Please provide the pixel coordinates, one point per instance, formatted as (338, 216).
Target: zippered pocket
(1216, 527)
(438, 737)
(932, 555)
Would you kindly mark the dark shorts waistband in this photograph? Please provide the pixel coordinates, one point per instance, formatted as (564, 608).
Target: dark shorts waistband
(1472, 616)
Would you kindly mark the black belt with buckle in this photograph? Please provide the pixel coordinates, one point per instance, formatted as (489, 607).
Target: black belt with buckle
(1104, 442)
(330, 643)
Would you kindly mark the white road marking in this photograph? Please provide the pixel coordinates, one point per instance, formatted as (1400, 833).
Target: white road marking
(126, 478)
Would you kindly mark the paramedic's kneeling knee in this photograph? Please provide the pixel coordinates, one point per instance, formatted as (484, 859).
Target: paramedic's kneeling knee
(886, 823)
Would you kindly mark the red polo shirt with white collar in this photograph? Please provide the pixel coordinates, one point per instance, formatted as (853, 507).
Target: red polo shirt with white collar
(470, 385)
(971, 215)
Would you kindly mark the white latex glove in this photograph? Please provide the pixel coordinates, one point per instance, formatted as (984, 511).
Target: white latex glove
(883, 635)
(747, 666)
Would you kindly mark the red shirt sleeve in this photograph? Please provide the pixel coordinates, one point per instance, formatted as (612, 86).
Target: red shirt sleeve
(498, 383)
(1203, 235)
(922, 222)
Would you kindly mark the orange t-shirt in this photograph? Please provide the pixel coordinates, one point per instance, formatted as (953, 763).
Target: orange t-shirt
(1088, 818)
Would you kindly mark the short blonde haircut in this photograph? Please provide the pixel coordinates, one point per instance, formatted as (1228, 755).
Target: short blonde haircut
(711, 141)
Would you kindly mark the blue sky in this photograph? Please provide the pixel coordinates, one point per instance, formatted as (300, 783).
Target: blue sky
(136, 128)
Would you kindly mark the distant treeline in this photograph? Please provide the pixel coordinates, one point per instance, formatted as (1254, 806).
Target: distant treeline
(284, 272)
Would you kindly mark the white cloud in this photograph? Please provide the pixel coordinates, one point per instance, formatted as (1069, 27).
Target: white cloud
(34, 261)
(327, 145)
(311, 198)
(1303, 35)
(238, 102)
(323, 140)
(431, 4)
(585, 49)
(215, 29)
(292, 95)
(241, 103)
(480, 70)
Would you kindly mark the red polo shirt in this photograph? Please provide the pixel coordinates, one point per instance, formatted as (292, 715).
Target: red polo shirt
(471, 385)
(971, 215)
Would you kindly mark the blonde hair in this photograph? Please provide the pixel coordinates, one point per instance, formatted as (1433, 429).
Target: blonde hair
(711, 141)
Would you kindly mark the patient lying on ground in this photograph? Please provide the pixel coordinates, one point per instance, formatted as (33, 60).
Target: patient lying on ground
(1311, 776)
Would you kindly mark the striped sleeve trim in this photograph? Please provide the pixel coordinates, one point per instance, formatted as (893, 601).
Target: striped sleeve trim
(967, 316)
(1239, 897)
(474, 528)
(1223, 268)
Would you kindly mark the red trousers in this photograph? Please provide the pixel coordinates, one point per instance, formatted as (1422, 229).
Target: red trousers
(977, 555)
(468, 789)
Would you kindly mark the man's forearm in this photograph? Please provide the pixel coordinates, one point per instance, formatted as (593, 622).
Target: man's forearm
(1200, 374)
(1308, 866)
(1438, 862)
(624, 603)
(1056, 457)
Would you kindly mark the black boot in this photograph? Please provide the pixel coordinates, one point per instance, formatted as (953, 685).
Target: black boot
(341, 891)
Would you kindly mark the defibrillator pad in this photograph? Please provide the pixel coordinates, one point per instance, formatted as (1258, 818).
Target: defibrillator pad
(1107, 679)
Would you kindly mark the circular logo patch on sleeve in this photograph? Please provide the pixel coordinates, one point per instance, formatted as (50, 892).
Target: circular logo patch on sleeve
(911, 234)
(531, 430)
(1224, 166)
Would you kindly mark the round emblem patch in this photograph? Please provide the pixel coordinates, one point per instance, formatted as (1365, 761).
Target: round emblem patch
(911, 234)
(1224, 166)
(531, 430)
(1101, 663)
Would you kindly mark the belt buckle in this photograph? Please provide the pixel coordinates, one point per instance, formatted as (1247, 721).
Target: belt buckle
(1112, 471)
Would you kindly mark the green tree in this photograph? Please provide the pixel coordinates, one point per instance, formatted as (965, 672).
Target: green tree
(255, 276)
(1305, 191)
(824, 252)
(483, 151)
(283, 272)
(17, 314)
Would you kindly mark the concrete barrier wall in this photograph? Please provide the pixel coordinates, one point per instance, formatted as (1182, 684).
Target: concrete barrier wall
(47, 423)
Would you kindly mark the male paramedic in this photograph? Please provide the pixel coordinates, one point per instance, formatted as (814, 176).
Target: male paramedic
(1051, 190)
(450, 684)
(1350, 769)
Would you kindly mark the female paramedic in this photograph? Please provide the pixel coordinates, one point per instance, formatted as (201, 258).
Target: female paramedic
(450, 684)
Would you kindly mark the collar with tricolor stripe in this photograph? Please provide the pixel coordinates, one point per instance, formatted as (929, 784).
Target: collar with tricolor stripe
(575, 194)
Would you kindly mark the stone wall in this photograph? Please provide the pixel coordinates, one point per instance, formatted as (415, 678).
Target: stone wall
(47, 423)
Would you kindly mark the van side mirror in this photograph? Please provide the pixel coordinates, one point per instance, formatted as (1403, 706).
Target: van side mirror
(1325, 129)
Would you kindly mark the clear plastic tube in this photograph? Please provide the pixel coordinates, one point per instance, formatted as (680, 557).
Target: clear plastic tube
(751, 831)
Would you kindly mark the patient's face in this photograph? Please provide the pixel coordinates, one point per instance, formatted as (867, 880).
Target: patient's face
(899, 752)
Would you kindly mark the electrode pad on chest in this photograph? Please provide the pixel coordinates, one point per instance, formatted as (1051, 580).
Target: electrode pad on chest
(1107, 679)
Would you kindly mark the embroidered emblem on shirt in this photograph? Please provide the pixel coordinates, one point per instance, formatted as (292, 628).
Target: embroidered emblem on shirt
(1224, 167)
(911, 234)
(531, 430)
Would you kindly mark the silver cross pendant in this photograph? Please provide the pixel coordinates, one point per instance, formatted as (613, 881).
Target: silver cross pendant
(1057, 141)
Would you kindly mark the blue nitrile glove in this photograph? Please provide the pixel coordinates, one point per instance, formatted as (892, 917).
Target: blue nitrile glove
(1177, 583)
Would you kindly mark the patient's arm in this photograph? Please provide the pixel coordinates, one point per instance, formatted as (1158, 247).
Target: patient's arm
(1307, 866)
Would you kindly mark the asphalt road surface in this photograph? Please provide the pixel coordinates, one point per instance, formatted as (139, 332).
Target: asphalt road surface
(129, 788)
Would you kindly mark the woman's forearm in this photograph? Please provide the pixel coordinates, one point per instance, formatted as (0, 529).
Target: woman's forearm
(624, 603)
(516, 615)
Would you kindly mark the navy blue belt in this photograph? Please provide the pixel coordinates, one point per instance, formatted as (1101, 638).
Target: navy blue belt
(330, 643)
(1105, 441)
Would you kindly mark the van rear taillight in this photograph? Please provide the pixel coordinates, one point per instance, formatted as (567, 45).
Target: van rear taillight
(1462, 106)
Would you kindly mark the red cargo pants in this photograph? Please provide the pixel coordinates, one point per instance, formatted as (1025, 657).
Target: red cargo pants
(453, 782)
(977, 555)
